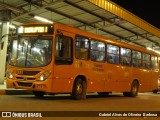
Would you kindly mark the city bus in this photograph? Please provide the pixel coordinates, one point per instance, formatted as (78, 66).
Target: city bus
(57, 58)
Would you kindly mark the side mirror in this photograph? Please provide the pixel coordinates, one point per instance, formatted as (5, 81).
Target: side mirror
(60, 33)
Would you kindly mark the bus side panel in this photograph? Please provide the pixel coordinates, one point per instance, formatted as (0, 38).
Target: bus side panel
(111, 78)
(137, 74)
(154, 79)
(96, 77)
(93, 72)
(118, 78)
(125, 79)
(144, 77)
(63, 78)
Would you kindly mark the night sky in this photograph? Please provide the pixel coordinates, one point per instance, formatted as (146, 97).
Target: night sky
(146, 9)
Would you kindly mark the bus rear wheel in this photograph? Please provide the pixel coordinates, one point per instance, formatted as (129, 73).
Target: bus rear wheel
(155, 91)
(38, 93)
(134, 90)
(79, 89)
(126, 94)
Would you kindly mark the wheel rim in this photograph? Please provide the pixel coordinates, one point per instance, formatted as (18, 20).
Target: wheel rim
(134, 89)
(79, 89)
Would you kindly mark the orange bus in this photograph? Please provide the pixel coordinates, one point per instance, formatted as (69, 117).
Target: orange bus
(56, 58)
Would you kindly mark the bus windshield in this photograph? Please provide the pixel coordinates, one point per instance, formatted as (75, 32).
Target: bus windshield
(30, 51)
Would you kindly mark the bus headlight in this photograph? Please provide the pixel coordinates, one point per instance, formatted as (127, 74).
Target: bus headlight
(44, 76)
(9, 74)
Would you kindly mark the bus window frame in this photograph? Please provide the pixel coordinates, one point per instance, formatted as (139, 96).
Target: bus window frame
(108, 54)
(105, 51)
(126, 56)
(65, 63)
(88, 49)
(155, 66)
(136, 59)
(144, 67)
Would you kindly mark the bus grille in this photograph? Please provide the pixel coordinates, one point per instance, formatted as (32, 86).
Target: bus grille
(24, 84)
(30, 72)
(25, 78)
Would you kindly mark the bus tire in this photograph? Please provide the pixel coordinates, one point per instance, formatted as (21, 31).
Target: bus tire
(155, 91)
(126, 94)
(134, 89)
(79, 89)
(38, 93)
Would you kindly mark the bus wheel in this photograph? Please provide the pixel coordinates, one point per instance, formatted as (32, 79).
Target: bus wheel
(38, 93)
(126, 94)
(155, 91)
(103, 93)
(79, 89)
(134, 89)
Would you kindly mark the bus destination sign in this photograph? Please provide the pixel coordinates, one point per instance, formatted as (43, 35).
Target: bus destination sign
(35, 29)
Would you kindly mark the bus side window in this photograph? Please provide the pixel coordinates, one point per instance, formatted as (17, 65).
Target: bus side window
(112, 54)
(63, 53)
(110, 58)
(97, 51)
(125, 56)
(146, 61)
(154, 62)
(136, 58)
(82, 47)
